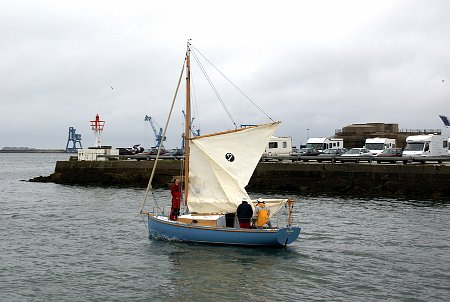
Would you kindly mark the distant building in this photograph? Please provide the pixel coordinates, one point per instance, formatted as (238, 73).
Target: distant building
(102, 153)
(355, 135)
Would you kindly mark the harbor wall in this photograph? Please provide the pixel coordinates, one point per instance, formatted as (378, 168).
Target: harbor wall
(412, 181)
(113, 173)
(389, 180)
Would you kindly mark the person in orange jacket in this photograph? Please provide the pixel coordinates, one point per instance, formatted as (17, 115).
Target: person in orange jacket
(262, 214)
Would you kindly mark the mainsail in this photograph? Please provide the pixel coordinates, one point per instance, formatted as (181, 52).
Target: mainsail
(222, 164)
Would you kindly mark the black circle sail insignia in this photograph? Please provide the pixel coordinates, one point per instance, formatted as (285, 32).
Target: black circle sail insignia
(229, 157)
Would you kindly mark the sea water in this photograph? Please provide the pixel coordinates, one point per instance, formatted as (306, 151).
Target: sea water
(74, 243)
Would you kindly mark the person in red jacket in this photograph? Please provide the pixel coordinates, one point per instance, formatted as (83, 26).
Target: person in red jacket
(175, 189)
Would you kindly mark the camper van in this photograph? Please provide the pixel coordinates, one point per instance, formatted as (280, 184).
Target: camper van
(426, 145)
(322, 143)
(378, 144)
(278, 146)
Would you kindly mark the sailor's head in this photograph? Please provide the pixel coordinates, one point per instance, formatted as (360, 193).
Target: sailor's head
(260, 201)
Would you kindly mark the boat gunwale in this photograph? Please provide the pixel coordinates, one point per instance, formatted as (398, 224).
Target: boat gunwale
(209, 228)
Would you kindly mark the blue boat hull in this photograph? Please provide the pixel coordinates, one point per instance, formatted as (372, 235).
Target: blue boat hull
(162, 228)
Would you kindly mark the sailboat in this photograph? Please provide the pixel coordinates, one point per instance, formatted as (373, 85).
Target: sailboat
(217, 168)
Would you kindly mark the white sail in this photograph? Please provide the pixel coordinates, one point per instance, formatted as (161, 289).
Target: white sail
(221, 165)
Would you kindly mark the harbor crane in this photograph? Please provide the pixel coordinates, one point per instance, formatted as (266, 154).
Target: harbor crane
(191, 127)
(73, 138)
(158, 135)
(194, 132)
(445, 120)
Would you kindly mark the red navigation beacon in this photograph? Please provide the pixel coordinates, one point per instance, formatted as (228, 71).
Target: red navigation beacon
(97, 126)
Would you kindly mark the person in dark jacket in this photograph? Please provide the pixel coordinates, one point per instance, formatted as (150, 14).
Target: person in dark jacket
(244, 213)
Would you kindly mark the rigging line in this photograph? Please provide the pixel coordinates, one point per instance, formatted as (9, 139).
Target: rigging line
(149, 186)
(157, 206)
(194, 96)
(183, 205)
(146, 226)
(193, 102)
(214, 88)
(243, 93)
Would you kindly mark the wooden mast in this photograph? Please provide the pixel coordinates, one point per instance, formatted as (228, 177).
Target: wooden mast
(187, 123)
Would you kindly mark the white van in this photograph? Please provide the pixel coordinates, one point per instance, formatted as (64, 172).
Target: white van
(426, 145)
(279, 146)
(378, 144)
(322, 143)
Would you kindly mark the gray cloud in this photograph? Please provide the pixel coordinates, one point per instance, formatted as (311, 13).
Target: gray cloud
(319, 66)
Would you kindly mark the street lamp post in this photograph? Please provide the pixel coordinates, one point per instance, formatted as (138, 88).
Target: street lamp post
(307, 133)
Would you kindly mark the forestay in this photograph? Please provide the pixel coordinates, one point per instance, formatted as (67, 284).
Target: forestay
(222, 164)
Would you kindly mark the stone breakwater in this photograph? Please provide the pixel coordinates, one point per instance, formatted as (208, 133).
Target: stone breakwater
(409, 181)
(112, 173)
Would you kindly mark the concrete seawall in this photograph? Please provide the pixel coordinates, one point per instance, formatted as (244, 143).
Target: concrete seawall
(412, 181)
(113, 173)
(409, 181)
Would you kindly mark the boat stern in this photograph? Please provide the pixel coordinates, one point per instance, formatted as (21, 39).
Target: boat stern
(288, 235)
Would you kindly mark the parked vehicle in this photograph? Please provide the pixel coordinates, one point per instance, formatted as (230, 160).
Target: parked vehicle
(307, 151)
(131, 151)
(378, 144)
(426, 145)
(295, 156)
(330, 154)
(391, 152)
(154, 151)
(322, 143)
(357, 152)
(337, 151)
(176, 152)
(356, 155)
(278, 146)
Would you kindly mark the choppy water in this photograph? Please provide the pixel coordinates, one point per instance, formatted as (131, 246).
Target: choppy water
(70, 243)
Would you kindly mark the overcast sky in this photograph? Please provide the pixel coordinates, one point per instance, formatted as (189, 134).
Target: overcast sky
(318, 65)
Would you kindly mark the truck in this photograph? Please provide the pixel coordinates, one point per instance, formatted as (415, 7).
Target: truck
(378, 144)
(426, 145)
(278, 146)
(322, 143)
